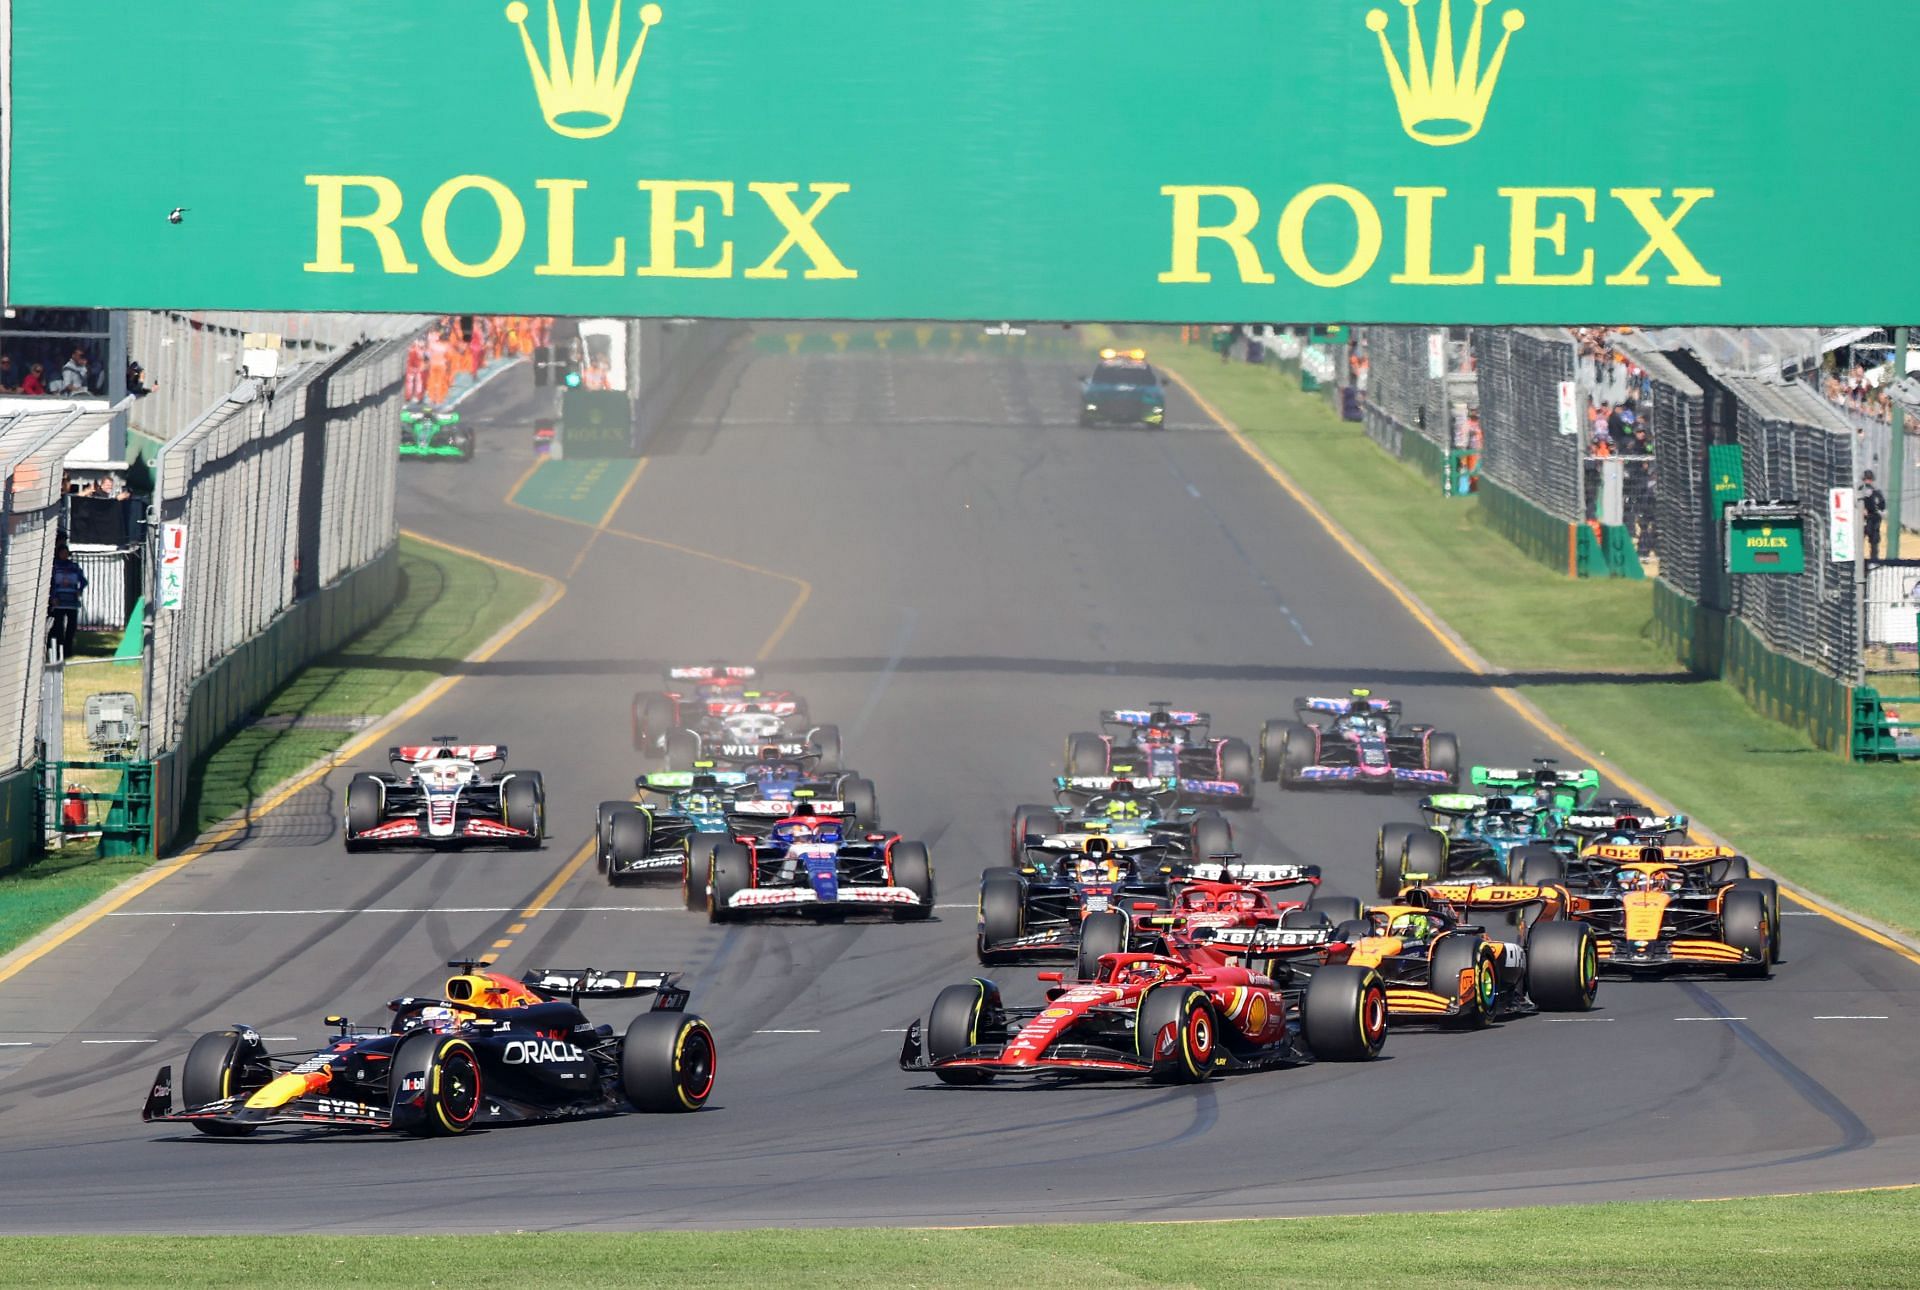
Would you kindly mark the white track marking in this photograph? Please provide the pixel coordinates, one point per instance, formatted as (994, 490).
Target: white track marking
(1863, 1018)
(1801, 913)
(16, 1043)
(1584, 1020)
(786, 1032)
(898, 1030)
(119, 1041)
(1193, 492)
(1709, 1018)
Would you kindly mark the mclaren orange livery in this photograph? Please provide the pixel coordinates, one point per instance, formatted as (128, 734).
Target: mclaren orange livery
(1667, 908)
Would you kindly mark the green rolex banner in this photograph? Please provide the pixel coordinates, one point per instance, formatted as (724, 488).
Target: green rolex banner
(1419, 161)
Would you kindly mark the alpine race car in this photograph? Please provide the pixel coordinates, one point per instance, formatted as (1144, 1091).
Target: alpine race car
(1123, 390)
(1691, 908)
(1470, 953)
(492, 1049)
(1177, 1018)
(1036, 908)
(1122, 806)
(1167, 744)
(657, 840)
(813, 858)
(714, 713)
(428, 434)
(1356, 740)
(438, 795)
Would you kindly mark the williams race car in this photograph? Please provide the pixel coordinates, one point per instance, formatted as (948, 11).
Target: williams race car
(492, 1049)
(1356, 740)
(1177, 1017)
(1121, 806)
(813, 857)
(1167, 744)
(1686, 908)
(438, 795)
(427, 434)
(715, 713)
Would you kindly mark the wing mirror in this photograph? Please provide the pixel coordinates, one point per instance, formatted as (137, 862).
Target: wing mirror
(1056, 978)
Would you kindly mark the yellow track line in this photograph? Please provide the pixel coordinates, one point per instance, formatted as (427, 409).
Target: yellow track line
(1508, 696)
(540, 902)
(224, 833)
(607, 518)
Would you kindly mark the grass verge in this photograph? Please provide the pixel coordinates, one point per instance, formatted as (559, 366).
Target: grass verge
(1857, 1239)
(450, 604)
(1836, 829)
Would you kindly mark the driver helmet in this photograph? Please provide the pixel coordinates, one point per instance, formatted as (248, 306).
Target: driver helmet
(1122, 808)
(437, 1017)
(700, 804)
(1411, 926)
(798, 831)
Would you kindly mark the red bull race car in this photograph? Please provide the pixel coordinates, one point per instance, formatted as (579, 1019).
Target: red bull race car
(1356, 741)
(446, 794)
(490, 1049)
(1166, 743)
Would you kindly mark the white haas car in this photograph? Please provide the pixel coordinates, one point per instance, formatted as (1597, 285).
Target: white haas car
(813, 858)
(446, 794)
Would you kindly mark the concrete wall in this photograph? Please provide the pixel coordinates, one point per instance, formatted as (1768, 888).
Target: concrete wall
(19, 821)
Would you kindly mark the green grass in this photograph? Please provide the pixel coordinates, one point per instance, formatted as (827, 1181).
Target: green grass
(1839, 830)
(1859, 1239)
(449, 606)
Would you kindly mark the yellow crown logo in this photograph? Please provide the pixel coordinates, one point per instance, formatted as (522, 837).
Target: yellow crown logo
(1445, 103)
(583, 100)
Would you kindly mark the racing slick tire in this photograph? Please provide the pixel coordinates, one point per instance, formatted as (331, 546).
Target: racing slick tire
(1087, 754)
(1772, 889)
(1303, 918)
(680, 749)
(629, 841)
(1353, 931)
(452, 1095)
(1025, 817)
(1460, 952)
(1101, 933)
(1185, 1056)
(523, 805)
(697, 868)
(1536, 865)
(1425, 853)
(826, 740)
(1745, 925)
(862, 799)
(1003, 911)
(1443, 754)
(956, 1024)
(218, 1066)
(1563, 966)
(1212, 836)
(1299, 750)
(667, 1062)
(1735, 869)
(365, 795)
(730, 873)
(1389, 851)
(1343, 1015)
(652, 714)
(602, 828)
(1272, 738)
(1236, 766)
(1336, 909)
(913, 869)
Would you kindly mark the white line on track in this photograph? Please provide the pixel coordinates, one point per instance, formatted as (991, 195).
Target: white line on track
(16, 1043)
(278, 1039)
(1862, 1018)
(1584, 1020)
(1193, 492)
(786, 1032)
(1801, 913)
(1709, 1018)
(896, 1030)
(119, 1041)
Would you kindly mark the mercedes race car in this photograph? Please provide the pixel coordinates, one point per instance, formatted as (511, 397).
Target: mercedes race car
(1165, 743)
(428, 434)
(714, 713)
(1124, 389)
(1356, 741)
(492, 1049)
(1679, 908)
(1468, 953)
(438, 795)
(1036, 908)
(1122, 806)
(1178, 1017)
(813, 858)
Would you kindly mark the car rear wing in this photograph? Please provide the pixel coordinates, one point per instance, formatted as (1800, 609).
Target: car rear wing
(1679, 857)
(1570, 787)
(711, 673)
(769, 810)
(602, 983)
(1092, 785)
(1229, 869)
(1144, 716)
(676, 781)
(1489, 895)
(1337, 707)
(1614, 816)
(410, 754)
(752, 707)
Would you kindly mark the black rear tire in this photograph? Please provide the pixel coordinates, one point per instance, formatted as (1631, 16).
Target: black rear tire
(365, 793)
(913, 869)
(1087, 754)
(958, 1022)
(697, 868)
(652, 715)
(1336, 909)
(1457, 953)
(603, 828)
(1103, 933)
(1299, 750)
(1443, 754)
(1003, 911)
(667, 1062)
(1272, 736)
(630, 840)
(862, 799)
(1188, 1059)
(1236, 766)
(1029, 817)
(1536, 864)
(826, 742)
(1735, 869)
(1426, 854)
(681, 749)
(1389, 847)
(730, 873)
(221, 1065)
(1343, 1015)
(1746, 926)
(1212, 836)
(1563, 966)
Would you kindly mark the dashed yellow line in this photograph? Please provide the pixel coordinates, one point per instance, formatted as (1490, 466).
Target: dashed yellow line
(1559, 738)
(542, 899)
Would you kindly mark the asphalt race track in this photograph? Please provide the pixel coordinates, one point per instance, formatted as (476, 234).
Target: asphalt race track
(984, 576)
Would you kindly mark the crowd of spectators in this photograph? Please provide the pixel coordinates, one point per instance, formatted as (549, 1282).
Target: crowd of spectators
(1861, 390)
(1619, 395)
(79, 377)
(465, 345)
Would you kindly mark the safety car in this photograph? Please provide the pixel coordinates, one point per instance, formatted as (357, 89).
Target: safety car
(1125, 390)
